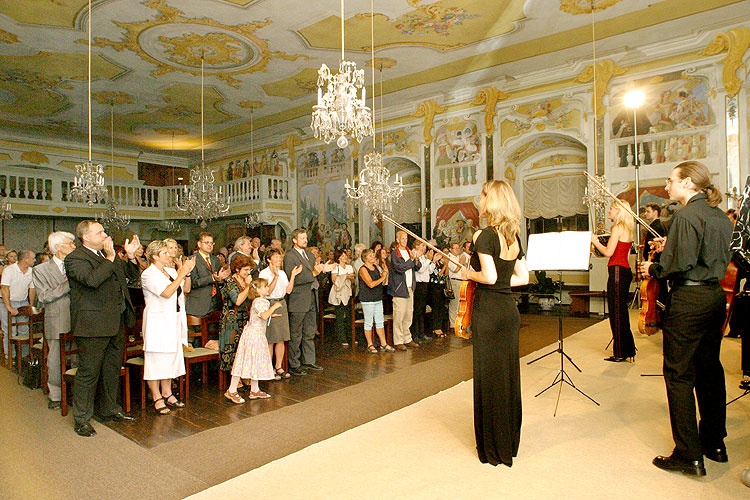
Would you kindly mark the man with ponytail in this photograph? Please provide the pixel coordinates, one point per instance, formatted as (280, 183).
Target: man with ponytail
(695, 255)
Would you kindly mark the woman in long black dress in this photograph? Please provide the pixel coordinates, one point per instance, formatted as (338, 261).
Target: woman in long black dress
(497, 264)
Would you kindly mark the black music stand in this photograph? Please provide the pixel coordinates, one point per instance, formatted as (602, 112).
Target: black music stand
(571, 253)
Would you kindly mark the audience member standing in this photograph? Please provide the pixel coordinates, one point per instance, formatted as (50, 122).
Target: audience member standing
(205, 280)
(99, 308)
(401, 287)
(243, 246)
(164, 324)
(421, 293)
(53, 293)
(235, 314)
(454, 273)
(371, 297)
(342, 278)
(438, 285)
(17, 291)
(303, 303)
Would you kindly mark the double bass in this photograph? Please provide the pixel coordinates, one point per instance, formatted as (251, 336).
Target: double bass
(462, 328)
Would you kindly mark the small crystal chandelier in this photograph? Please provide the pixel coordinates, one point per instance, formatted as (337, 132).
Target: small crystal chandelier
(88, 184)
(112, 220)
(339, 111)
(170, 226)
(253, 218)
(202, 199)
(5, 212)
(374, 189)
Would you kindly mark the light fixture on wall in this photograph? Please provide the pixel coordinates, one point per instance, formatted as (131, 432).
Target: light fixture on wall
(252, 219)
(339, 112)
(202, 199)
(88, 184)
(112, 220)
(5, 209)
(375, 190)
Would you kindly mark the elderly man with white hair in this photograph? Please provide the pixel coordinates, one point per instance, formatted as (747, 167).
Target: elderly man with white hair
(53, 293)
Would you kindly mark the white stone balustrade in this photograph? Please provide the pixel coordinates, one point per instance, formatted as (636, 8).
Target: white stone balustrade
(457, 174)
(664, 147)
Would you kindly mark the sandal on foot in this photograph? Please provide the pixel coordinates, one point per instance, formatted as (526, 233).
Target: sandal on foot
(177, 403)
(259, 395)
(234, 397)
(163, 410)
(387, 348)
(372, 349)
(280, 372)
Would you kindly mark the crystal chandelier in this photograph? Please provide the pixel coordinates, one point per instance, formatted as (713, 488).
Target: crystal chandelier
(170, 226)
(375, 189)
(88, 185)
(253, 218)
(5, 212)
(339, 111)
(596, 199)
(202, 199)
(112, 220)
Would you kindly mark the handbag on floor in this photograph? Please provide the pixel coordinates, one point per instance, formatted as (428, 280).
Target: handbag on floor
(30, 373)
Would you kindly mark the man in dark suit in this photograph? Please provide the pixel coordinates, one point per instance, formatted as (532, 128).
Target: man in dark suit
(303, 303)
(99, 308)
(652, 215)
(206, 277)
(53, 293)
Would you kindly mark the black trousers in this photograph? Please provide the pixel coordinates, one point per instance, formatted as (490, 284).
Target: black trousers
(438, 303)
(343, 324)
(692, 369)
(421, 294)
(98, 376)
(618, 286)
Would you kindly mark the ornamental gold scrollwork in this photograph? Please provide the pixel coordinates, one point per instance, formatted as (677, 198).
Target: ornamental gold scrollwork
(735, 42)
(489, 97)
(586, 6)
(605, 71)
(428, 110)
(291, 142)
(6, 37)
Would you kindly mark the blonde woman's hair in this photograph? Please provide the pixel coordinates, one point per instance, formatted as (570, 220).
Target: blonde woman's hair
(254, 285)
(624, 218)
(502, 209)
(171, 240)
(153, 249)
(700, 176)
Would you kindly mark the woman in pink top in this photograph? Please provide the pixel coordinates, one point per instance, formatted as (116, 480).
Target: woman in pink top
(618, 284)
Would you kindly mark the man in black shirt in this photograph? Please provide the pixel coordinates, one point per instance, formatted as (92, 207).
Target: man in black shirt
(652, 215)
(694, 258)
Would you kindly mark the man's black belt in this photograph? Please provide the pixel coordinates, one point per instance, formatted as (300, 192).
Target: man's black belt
(686, 282)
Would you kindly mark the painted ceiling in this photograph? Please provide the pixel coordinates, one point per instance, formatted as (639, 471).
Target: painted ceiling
(261, 58)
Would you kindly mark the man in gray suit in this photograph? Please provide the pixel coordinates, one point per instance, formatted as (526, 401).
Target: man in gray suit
(206, 277)
(303, 303)
(53, 292)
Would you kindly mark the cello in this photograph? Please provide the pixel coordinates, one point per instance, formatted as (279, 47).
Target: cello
(462, 328)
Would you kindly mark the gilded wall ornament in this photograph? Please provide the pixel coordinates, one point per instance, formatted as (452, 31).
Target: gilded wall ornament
(34, 157)
(605, 71)
(6, 37)
(489, 97)
(174, 42)
(291, 142)
(735, 42)
(428, 110)
(586, 6)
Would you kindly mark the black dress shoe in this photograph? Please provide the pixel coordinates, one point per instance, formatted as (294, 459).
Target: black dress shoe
(716, 454)
(119, 417)
(53, 405)
(84, 429)
(297, 371)
(745, 384)
(313, 367)
(614, 359)
(672, 463)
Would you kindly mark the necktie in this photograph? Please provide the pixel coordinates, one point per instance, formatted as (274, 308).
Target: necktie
(208, 263)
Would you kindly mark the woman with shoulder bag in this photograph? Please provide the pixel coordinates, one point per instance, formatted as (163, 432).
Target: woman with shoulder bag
(438, 289)
(342, 278)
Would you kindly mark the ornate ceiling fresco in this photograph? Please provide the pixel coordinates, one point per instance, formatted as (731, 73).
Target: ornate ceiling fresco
(264, 55)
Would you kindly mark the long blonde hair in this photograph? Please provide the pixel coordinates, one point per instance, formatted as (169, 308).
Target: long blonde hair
(502, 209)
(624, 219)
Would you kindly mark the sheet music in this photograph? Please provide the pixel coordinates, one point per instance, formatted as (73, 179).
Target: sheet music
(565, 251)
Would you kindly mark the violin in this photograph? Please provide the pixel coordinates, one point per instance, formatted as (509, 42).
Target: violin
(648, 318)
(730, 286)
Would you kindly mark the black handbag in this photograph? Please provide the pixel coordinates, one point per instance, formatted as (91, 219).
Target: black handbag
(448, 292)
(30, 373)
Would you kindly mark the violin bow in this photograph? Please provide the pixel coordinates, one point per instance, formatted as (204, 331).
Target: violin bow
(624, 205)
(419, 238)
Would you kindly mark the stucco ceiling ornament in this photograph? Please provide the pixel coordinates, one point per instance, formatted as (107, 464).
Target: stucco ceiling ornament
(174, 42)
(586, 6)
(605, 71)
(428, 110)
(489, 97)
(735, 42)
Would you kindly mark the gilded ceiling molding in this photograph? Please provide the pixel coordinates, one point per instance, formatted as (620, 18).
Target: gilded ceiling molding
(428, 110)
(489, 97)
(251, 104)
(34, 157)
(605, 70)
(586, 6)
(735, 42)
(292, 141)
(6, 37)
(221, 49)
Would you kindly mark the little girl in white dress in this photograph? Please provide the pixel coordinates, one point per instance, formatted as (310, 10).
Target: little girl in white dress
(253, 359)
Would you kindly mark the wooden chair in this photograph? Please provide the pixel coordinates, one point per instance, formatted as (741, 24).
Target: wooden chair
(34, 319)
(40, 350)
(68, 348)
(209, 326)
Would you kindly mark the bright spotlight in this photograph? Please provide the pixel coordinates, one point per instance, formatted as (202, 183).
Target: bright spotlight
(634, 99)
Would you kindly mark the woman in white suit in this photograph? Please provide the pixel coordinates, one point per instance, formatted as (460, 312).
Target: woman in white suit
(164, 324)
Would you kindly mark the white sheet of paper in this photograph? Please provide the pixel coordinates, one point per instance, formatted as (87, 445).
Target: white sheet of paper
(566, 251)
